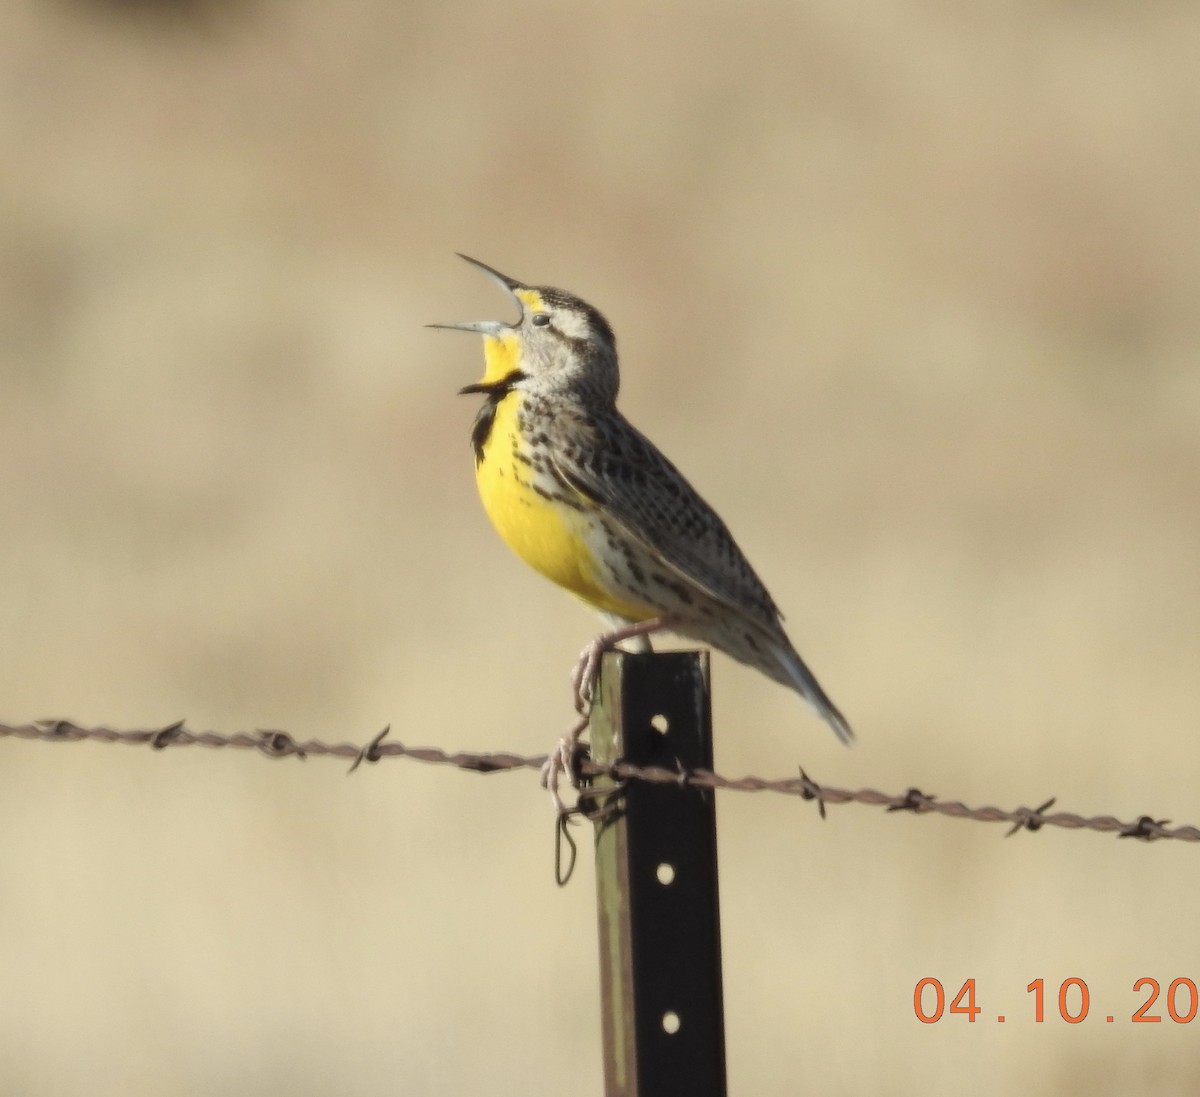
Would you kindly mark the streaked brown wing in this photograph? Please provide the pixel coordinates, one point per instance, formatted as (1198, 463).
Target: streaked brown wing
(611, 463)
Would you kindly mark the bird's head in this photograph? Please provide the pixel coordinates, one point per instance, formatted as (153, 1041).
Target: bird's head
(558, 343)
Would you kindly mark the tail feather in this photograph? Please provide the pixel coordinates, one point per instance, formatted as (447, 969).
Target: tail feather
(802, 680)
(768, 650)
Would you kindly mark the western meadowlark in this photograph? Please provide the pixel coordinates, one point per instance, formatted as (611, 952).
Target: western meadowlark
(584, 498)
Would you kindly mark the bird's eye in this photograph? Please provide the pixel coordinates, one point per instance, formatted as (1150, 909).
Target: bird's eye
(540, 319)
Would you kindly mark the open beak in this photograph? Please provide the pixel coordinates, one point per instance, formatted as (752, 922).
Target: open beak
(488, 327)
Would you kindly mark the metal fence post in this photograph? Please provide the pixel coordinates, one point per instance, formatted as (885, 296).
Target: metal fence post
(656, 883)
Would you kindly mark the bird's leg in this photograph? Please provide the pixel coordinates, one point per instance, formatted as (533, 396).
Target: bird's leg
(587, 669)
(562, 759)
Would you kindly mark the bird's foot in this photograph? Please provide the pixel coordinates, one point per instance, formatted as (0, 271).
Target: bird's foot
(564, 760)
(587, 668)
(585, 674)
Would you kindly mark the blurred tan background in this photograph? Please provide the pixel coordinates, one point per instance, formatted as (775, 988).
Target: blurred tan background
(908, 290)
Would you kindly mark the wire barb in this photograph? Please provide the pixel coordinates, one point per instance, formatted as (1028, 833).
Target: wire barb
(913, 800)
(1146, 828)
(810, 790)
(278, 744)
(370, 751)
(1031, 820)
(166, 735)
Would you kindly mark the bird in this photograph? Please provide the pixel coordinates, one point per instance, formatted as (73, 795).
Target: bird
(587, 500)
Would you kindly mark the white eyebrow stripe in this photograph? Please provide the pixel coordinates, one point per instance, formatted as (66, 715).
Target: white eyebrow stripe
(571, 324)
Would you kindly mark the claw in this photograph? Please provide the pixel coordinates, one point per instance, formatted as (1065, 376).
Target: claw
(585, 673)
(564, 759)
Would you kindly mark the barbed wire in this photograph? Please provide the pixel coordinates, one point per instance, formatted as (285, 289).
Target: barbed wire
(280, 744)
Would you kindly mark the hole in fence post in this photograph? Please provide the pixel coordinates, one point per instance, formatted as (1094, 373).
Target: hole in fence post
(670, 1022)
(665, 874)
(660, 723)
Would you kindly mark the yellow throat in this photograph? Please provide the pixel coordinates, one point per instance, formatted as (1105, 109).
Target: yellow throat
(527, 509)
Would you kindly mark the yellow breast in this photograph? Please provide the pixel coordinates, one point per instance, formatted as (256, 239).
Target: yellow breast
(548, 534)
